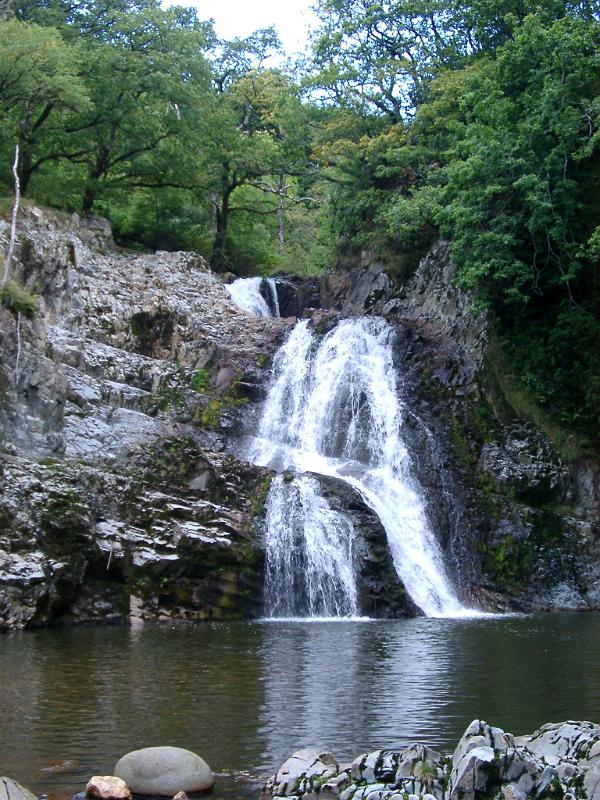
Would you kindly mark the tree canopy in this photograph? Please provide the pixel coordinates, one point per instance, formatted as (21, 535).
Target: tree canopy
(476, 121)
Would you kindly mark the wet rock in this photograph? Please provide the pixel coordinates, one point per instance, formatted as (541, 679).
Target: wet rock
(107, 787)
(556, 761)
(11, 790)
(164, 771)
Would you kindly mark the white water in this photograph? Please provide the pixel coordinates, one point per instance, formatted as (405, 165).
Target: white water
(307, 540)
(333, 409)
(245, 293)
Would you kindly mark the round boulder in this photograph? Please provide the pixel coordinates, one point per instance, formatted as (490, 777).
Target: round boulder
(164, 771)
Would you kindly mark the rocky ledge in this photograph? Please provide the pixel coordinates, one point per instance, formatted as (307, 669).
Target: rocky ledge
(119, 386)
(560, 761)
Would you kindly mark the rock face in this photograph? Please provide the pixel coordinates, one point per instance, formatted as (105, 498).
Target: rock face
(558, 761)
(164, 771)
(122, 398)
(116, 401)
(519, 523)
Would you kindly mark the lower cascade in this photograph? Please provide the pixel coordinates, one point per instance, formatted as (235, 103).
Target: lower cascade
(332, 409)
(309, 553)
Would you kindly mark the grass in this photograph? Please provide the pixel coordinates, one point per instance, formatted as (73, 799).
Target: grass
(16, 298)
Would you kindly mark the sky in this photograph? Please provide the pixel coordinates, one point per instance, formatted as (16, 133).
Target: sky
(241, 17)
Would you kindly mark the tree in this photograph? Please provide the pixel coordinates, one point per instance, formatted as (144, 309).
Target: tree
(39, 86)
(250, 132)
(142, 82)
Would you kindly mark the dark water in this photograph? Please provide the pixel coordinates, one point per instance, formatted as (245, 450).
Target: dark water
(246, 695)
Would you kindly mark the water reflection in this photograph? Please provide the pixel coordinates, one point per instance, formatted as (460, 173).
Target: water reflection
(246, 695)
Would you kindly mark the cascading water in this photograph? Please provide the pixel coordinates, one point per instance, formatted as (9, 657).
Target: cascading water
(255, 295)
(333, 409)
(306, 542)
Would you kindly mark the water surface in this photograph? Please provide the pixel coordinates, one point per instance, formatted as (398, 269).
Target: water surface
(246, 695)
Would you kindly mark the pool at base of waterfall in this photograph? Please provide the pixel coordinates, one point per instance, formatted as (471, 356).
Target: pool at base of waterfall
(247, 695)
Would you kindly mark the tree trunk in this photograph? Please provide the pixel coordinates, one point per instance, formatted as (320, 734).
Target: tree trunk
(219, 258)
(91, 187)
(89, 196)
(25, 168)
(280, 212)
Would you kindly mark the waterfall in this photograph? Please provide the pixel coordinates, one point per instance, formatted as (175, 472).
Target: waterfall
(309, 550)
(255, 295)
(333, 409)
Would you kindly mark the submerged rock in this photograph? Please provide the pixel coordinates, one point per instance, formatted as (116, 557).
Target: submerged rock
(164, 771)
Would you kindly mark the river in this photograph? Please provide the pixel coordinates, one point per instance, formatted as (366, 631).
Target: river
(246, 695)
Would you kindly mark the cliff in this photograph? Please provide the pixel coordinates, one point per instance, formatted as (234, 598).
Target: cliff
(117, 493)
(122, 399)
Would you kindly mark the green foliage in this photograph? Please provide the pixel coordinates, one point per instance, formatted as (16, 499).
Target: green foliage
(200, 380)
(501, 158)
(259, 499)
(20, 301)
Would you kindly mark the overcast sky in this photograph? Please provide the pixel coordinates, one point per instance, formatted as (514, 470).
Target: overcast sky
(241, 17)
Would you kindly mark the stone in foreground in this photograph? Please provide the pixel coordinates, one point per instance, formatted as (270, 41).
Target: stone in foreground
(164, 771)
(107, 787)
(11, 790)
(561, 761)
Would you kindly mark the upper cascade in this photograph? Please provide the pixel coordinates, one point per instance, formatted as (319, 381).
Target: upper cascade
(258, 296)
(333, 409)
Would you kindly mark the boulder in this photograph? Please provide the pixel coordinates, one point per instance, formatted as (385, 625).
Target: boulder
(378, 766)
(11, 790)
(472, 776)
(107, 787)
(297, 775)
(164, 771)
(591, 782)
(576, 741)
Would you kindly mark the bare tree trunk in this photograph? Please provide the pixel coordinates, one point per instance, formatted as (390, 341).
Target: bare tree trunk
(13, 227)
(18, 360)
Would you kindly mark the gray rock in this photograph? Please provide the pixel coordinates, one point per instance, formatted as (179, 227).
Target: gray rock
(378, 766)
(164, 771)
(297, 774)
(574, 741)
(473, 774)
(591, 783)
(11, 790)
(526, 462)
